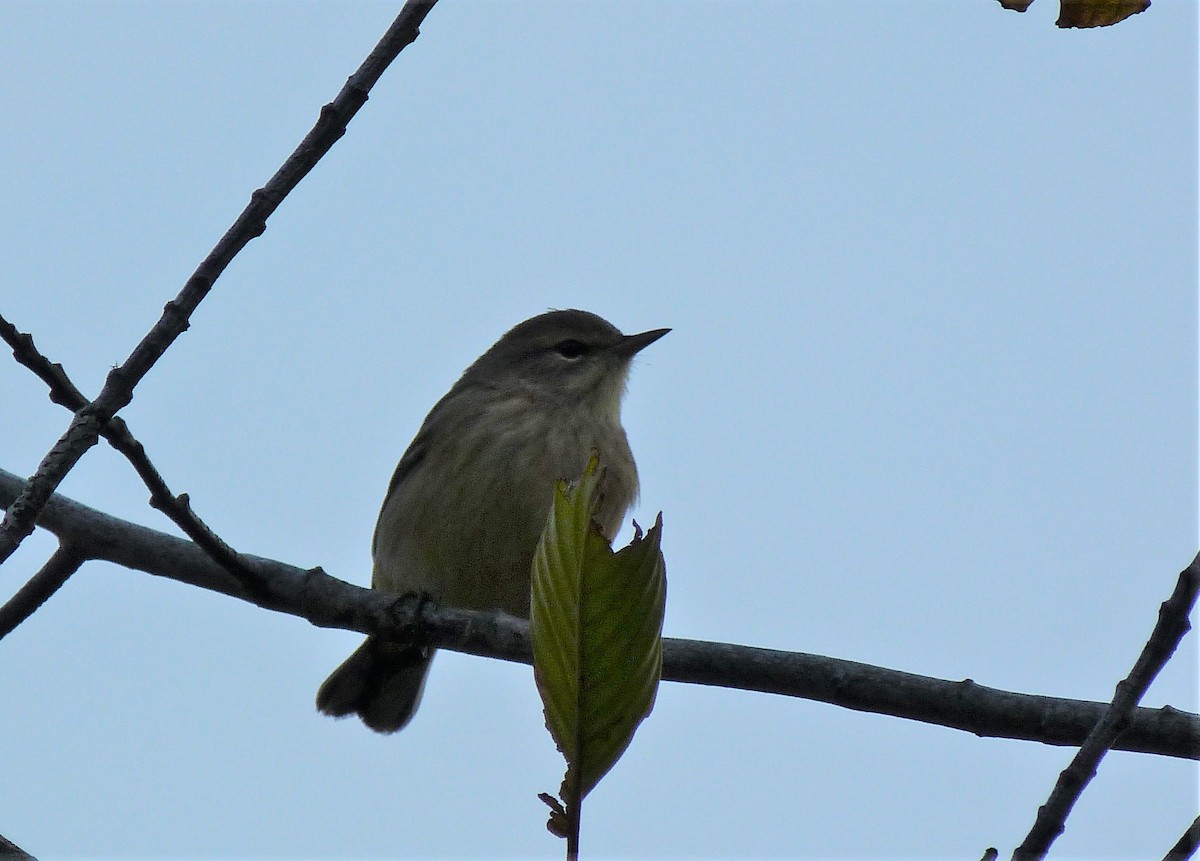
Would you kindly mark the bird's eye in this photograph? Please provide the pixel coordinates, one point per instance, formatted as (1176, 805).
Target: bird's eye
(570, 349)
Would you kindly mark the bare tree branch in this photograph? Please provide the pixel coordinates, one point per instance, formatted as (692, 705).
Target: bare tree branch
(1187, 845)
(1171, 627)
(117, 433)
(328, 602)
(10, 851)
(85, 428)
(64, 562)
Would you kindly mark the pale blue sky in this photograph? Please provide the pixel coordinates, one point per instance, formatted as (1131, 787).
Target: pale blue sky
(929, 402)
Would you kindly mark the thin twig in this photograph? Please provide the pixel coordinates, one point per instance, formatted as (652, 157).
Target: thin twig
(64, 562)
(117, 392)
(1187, 845)
(331, 603)
(62, 391)
(1172, 625)
(118, 435)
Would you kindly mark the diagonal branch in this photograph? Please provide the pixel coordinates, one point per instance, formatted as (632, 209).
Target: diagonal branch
(1187, 844)
(177, 508)
(64, 562)
(12, 852)
(117, 392)
(1164, 639)
(328, 602)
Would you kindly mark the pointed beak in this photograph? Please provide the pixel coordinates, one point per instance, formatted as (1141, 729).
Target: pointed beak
(631, 344)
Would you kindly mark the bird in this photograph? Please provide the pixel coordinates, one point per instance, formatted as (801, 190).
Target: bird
(470, 496)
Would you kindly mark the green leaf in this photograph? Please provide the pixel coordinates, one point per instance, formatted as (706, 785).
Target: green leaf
(596, 626)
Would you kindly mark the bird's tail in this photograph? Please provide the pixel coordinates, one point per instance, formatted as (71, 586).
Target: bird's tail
(381, 683)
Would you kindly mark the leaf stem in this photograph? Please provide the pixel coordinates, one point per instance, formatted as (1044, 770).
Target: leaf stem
(574, 814)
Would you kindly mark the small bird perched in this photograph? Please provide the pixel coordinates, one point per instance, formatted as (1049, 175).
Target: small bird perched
(470, 497)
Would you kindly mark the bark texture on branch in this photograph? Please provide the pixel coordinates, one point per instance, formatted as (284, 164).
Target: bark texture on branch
(89, 421)
(328, 602)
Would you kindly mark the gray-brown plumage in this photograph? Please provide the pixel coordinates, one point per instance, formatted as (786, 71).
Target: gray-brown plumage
(470, 496)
